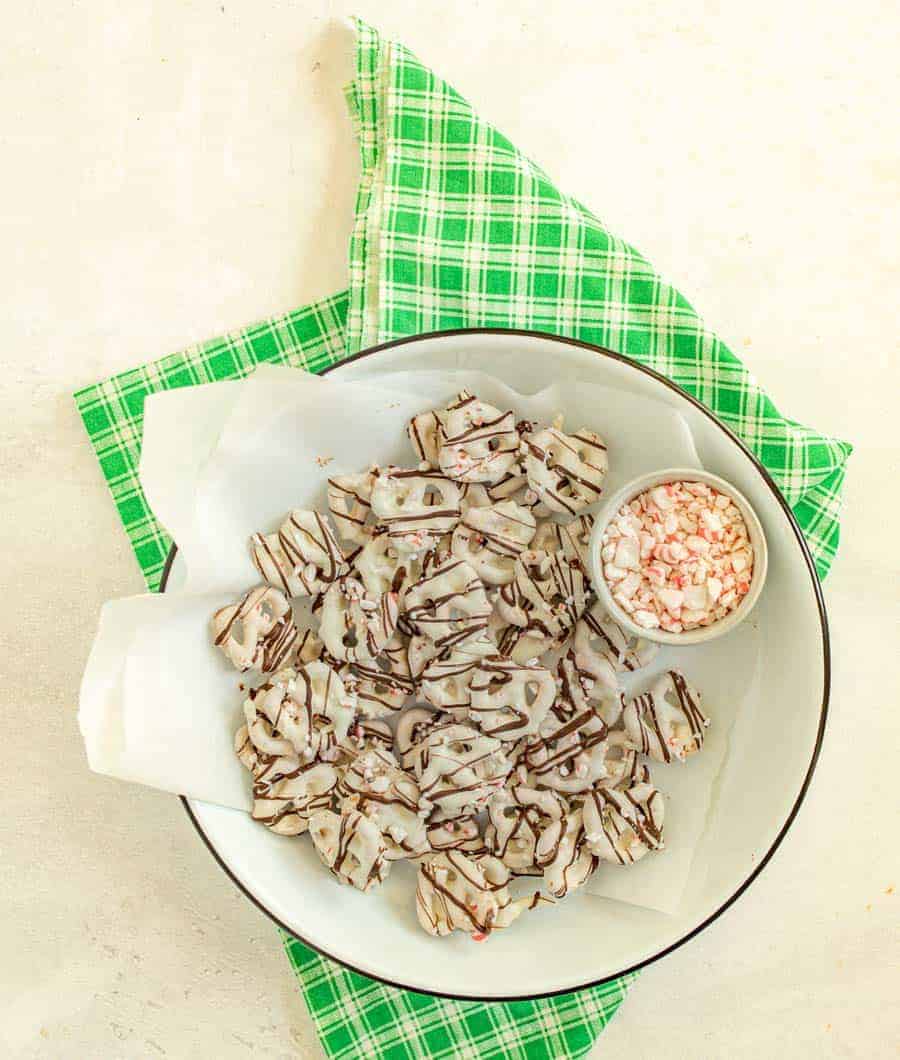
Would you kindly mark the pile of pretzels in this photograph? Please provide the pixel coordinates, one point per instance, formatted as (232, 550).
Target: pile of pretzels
(459, 704)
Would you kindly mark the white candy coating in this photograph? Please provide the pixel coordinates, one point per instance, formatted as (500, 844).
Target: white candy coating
(572, 538)
(564, 855)
(458, 767)
(548, 594)
(426, 432)
(375, 785)
(473, 495)
(518, 817)
(383, 685)
(446, 679)
(448, 602)
(579, 690)
(420, 652)
(458, 833)
(413, 726)
(603, 649)
(299, 712)
(350, 504)
(365, 733)
(517, 642)
(286, 791)
(309, 647)
(622, 762)
(380, 566)
(569, 755)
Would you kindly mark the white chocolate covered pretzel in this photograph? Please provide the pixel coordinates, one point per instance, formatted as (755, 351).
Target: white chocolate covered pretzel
(445, 680)
(448, 602)
(381, 685)
(303, 557)
(473, 495)
(356, 625)
(457, 833)
(569, 754)
(455, 892)
(364, 733)
(299, 712)
(382, 567)
(622, 825)
(623, 763)
(548, 594)
(350, 504)
(509, 700)
(579, 690)
(286, 791)
(458, 767)
(602, 647)
(481, 443)
(666, 722)
(309, 647)
(426, 432)
(258, 631)
(518, 817)
(573, 538)
(514, 487)
(351, 845)
(490, 540)
(518, 643)
(412, 727)
(566, 471)
(564, 855)
(375, 784)
(420, 651)
(416, 508)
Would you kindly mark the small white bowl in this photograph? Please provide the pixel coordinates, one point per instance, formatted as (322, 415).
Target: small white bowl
(754, 530)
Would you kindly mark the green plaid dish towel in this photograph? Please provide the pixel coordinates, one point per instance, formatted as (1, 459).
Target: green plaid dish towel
(455, 228)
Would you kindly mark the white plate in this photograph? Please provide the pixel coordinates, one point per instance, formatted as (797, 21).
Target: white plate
(773, 748)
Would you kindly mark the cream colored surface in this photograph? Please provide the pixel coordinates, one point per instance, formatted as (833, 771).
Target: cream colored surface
(174, 169)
